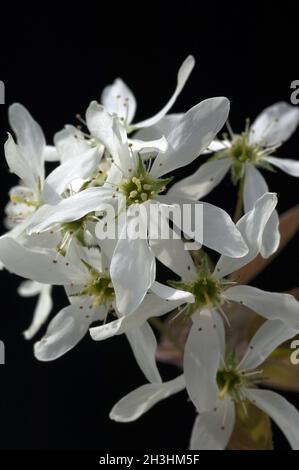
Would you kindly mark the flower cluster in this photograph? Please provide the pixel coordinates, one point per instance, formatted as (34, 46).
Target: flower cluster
(112, 172)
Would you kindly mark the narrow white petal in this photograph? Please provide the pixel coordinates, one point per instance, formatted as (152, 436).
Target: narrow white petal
(150, 146)
(192, 135)
(255, 186)
(50, 154)
(267, 338)
(133, 269)
(251, 227)
(218, 145)
(152, 306)
(81, 167)
(173, 255)
(270, 305)
(44, 266)
(119, 99)
(30, 137)
(70, 209)
(283, 413)
(41, 312)
(168, 293)
(18, 164)
(182, 77)
(29, 288)
(212, 430)
(111, 133)
(274, 125)
(66, 329)
(220, 233)
(161, 128)
(138, 402)
(69, 143)
(201, 183)
(144, 345)
(285, 164)
(100, 124)
(201, 361)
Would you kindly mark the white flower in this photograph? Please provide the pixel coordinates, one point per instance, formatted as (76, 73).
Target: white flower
(27, 160)
(222, 381)
(130, 185)
(119, 100)
(243, 155)
(232, 382)
(211, 290)
(85, 275)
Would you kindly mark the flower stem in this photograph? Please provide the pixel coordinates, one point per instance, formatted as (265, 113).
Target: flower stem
(239, 205)
(163, 329)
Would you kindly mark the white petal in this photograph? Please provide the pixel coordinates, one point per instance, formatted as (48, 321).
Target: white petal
(18, 164)
(270, 305)
(283, 413)
(212, 430)
(274, 125)
(132, 270)
(201, 361)
(267, 338)
(251, 227)
(138, 402)
(168, 293)
(285, 164)
(173, 255)
(220, 233)
(100, 125)
(81, 167)
(66, 329)
(201, 183)
(182, 77)
(70, 209)
(144, 345)
(30, 137)
(29, 288)
(111, 133)
(192, 135)
(46, 267)
(255, 186)
(152, 306)
(218, 145)
(119, 99)
(217, 232)
(150, 146)
(161, 128)
(70, 143)
(42, 311)
(50, 154)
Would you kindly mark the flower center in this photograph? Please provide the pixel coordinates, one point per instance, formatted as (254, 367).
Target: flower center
(232, 381)
(242, 152)
(141, 187)
(229, 381)
(206, 289)
(68, 231)
(100, 287)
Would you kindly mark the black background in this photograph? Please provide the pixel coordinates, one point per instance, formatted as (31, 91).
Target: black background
(55, 66)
